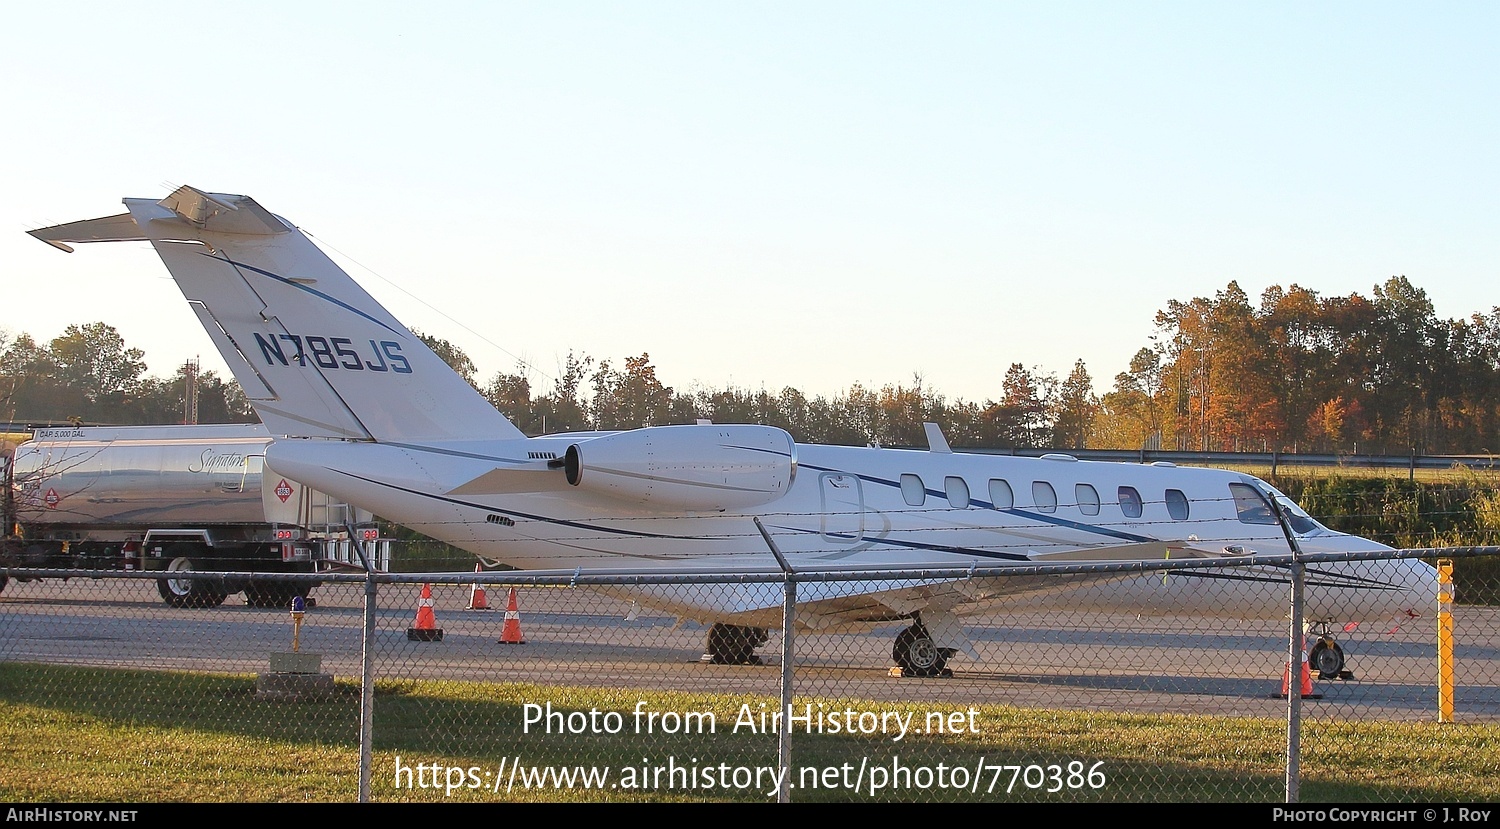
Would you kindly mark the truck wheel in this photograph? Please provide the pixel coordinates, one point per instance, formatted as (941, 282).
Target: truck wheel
(189, 592)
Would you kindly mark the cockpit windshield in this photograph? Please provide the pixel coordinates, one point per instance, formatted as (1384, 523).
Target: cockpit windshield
(1297, 518)
(1300, 522)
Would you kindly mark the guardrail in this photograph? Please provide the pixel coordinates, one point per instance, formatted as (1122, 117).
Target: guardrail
(1487, 463)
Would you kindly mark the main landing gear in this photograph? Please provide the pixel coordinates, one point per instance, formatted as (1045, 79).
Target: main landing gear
(734, 644)
(916, 654)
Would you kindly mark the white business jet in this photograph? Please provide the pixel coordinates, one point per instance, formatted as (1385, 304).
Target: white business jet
(364, 411)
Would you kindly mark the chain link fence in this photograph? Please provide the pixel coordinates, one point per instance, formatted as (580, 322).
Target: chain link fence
(496, 686)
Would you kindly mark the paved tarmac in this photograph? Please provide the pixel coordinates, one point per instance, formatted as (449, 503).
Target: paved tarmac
(1063, 658)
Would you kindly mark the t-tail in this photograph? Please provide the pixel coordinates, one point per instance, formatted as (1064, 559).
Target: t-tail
(314, 352)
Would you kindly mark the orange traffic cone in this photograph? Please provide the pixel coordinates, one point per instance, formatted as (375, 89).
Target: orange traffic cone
(477, 600)
(425, 629)
(1307, 686)
(511, 634)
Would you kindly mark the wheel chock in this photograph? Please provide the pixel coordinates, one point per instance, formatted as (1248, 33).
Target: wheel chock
(897, 672)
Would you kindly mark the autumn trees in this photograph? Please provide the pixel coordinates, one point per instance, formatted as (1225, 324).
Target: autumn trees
(1289, 371)
(1299, 371)
(1033, 411)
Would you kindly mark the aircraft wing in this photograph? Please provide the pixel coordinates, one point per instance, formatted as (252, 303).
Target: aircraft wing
(531, 478)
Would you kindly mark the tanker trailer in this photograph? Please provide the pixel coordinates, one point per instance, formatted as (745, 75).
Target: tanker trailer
(172, 499)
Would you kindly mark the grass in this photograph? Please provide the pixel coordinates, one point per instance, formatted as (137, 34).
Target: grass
(71, 734)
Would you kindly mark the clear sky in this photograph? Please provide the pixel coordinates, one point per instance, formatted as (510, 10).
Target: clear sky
(810, 194)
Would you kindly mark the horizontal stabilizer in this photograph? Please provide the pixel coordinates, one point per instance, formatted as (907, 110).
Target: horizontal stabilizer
(187, 206)
(121, 228)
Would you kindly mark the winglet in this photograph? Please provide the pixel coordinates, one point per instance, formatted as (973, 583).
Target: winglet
(935, 440)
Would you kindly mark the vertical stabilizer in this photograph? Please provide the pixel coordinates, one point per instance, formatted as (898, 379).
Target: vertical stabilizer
(314, 352)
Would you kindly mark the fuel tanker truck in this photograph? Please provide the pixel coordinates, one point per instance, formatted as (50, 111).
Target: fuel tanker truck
(172, 499)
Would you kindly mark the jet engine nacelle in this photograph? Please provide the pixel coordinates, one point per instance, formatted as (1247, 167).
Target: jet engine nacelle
(699, 467)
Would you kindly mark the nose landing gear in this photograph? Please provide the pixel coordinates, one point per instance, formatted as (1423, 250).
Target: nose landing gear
(1325, 656)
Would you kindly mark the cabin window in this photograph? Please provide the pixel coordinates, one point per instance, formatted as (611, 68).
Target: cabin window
(958, 492)
(1044, 496)
(1252, 506)
(913, 490)
(1130, 502)
(1088, 499)
(1177, 504)
(1000, 495)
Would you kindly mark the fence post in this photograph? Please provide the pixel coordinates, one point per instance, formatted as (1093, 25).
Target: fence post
(1445, 639)
(788, 616)
(1296, 647)
(366, 670)
(367, 691)
(1296, 642)
(784, 744)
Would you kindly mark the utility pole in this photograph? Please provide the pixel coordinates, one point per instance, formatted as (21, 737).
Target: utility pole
(190, 392)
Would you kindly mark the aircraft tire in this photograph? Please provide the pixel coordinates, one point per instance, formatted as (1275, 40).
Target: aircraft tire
(735, 644)
(917, 654)
(1327, 658)
(189, 593)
